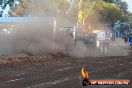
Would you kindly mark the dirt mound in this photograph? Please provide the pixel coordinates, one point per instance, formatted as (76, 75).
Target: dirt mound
(24, 58)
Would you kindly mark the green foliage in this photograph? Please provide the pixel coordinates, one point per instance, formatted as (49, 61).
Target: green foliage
(122, 5)
(97, 4)
(111, 12)
(129, 17)
(109, 1)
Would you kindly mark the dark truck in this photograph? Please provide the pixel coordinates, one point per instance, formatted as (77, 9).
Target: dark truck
(80, 35)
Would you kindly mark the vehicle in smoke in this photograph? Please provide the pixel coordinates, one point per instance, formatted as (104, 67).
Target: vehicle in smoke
(78, 35)
(92, 37)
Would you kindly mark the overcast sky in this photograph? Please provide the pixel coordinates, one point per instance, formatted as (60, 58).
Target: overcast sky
(129, 2)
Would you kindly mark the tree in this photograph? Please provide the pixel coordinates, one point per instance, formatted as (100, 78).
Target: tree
(20, 10)
(0, 2)
(109, 1)
(124, 6)
(129, 17)
(111, 12)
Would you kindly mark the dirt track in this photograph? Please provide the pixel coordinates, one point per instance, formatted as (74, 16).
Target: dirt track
(62, 72)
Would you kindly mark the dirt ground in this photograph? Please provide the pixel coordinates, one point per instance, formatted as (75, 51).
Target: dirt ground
(58, 71)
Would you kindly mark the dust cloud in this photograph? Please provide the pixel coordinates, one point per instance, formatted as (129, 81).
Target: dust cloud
(36, 36)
